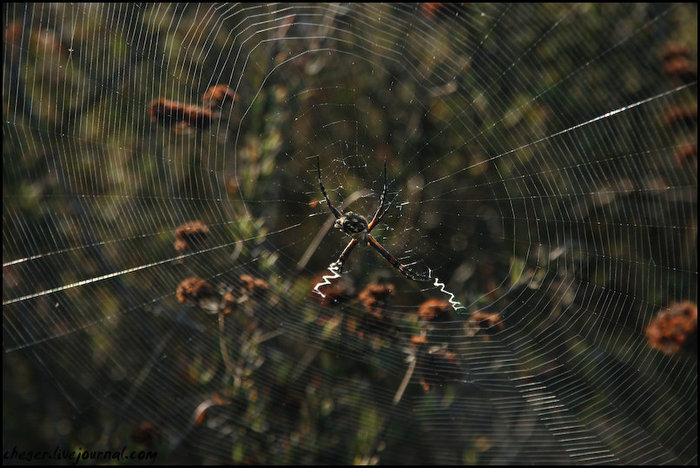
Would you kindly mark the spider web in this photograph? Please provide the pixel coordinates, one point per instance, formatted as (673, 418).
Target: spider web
(543, 161)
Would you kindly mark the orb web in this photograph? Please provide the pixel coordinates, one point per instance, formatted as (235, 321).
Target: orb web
(164, 232)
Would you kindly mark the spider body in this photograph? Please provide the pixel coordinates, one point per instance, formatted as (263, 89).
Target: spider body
(353, 225)
(357, 227)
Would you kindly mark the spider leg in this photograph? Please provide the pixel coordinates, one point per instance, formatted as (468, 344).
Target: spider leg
(344, 255)
(337, 213)
(379, 214)
(395, 263)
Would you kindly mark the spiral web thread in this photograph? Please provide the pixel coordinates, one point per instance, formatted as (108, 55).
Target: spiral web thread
(163, 267)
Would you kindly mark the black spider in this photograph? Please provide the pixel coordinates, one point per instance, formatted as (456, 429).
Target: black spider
(357, 227)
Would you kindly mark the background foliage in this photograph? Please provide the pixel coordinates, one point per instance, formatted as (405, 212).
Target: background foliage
(538, 156)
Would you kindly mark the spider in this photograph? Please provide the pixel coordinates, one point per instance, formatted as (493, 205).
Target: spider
(357, 227)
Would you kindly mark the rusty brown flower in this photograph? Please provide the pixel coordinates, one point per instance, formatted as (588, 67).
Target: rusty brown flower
(434, 309)
(376, 320)
(674, 328)
(485, 324)
(218, 96)
(190, 235)
(687, 153)
(254, 285)
(674, 49)
(13, 32)
(681, 115)
(229, 303)
(182, 116)
(376, 296)
(681, 68)
(418, 340)
(429, 9)
(194, 289)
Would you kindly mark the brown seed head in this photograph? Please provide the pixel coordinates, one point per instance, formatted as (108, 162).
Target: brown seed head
(229, 303)
(194, 289)
(429, 9)
(376, 296)
(680, 115)
(183, 116)
(687, 153)
(434, 309)
(376, 321)
(674, 49)
(218, 95)
(485, 323)
(418, 340)
(190, 235)
(680, 68)
(13, 33)
(254, 285)
(674, 328)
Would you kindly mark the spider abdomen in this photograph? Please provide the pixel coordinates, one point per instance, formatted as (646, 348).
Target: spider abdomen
(352, 224)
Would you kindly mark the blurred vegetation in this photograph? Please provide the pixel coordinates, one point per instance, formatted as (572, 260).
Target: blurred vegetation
(567, 236)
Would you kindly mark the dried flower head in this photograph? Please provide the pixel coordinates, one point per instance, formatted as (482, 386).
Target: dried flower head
(376, 296)
(194, 289)
(680, 68)
(687, 153)
(674, 49)
(190, 235)
(435, 10)
(49, 43)
(674, 328)
(376, 320)
(434, 309)
(218, 96)
(229, 303)
(418, 341)
(182, 116)
(13, 32)
(430, 9)
(254, 285)
(679, 115)
(484, 323)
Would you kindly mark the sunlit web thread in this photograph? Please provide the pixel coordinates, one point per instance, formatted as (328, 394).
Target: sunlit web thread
(325, 280)
(132, 270)
(570, 129)
(456, 305)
